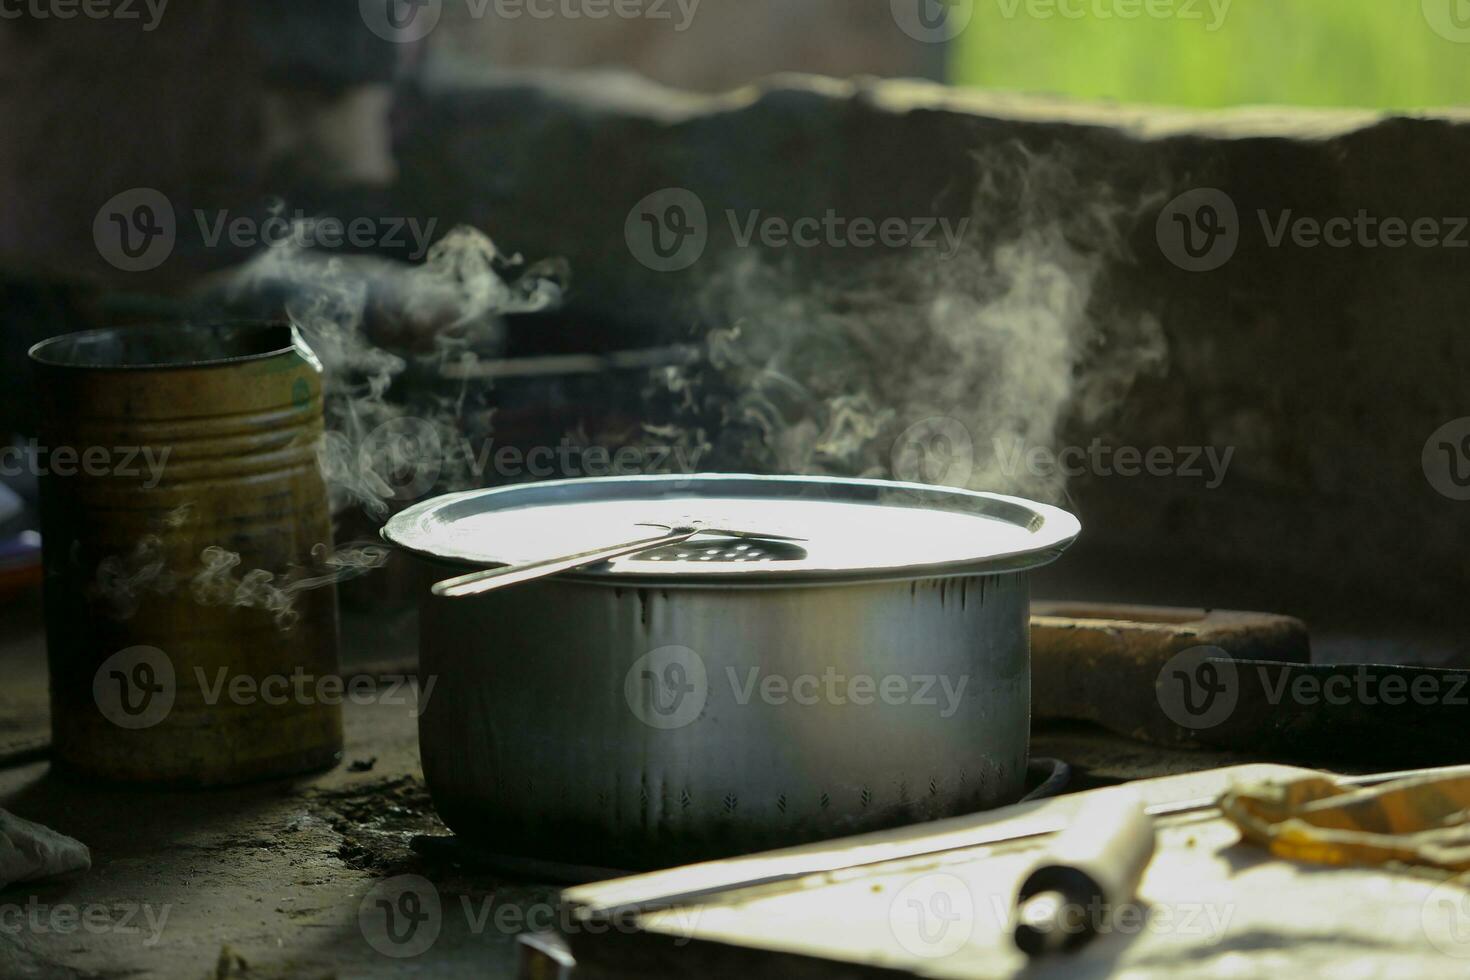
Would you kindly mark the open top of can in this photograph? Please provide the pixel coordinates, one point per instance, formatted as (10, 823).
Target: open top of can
(167, 345)
(822, 529)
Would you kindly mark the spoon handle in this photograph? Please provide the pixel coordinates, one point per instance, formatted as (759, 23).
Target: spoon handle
(490, 579)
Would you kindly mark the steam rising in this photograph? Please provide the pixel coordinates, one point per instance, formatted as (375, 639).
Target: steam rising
(123, 580)
(450, 308)
(915, 361)
(907, 362)
(219, 583)
(377, 448)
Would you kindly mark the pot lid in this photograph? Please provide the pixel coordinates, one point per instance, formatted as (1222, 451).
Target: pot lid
(862, 530)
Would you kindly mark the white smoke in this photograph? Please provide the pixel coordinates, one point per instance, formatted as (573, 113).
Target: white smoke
(219, 583)
(1007, 343)
(383, 445)
(380, 445)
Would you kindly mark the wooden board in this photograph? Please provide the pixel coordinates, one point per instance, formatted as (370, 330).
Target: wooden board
(1208, 906)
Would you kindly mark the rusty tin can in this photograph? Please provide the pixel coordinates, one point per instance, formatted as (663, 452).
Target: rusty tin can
(179, 486)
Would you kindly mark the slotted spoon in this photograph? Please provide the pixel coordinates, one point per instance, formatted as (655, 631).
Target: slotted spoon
(490, 579)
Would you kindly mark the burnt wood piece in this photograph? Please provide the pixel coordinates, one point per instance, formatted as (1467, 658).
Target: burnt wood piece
(1105, 663)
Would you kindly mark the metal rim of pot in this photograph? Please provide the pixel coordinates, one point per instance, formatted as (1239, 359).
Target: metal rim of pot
(427, 529)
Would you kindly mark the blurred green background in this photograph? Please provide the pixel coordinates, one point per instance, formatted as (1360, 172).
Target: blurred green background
(1399, 54)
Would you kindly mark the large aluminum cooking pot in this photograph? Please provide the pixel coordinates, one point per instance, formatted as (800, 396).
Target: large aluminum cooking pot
(724, 696)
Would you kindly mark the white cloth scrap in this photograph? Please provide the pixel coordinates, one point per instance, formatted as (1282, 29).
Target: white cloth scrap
(30, 852)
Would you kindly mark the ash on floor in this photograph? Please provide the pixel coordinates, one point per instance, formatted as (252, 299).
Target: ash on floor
(262, 881)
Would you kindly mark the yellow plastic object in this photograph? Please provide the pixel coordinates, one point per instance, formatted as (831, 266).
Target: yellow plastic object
(1424, 820)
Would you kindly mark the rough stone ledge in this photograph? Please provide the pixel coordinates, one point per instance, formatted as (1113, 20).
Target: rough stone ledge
(612, 90)
(1327, 369)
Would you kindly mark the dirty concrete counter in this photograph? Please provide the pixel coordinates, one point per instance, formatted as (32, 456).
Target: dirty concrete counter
(267, 880)
(261, 881)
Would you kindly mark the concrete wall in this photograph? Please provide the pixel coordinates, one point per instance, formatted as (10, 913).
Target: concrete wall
(702, 45)
(1324, 369)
